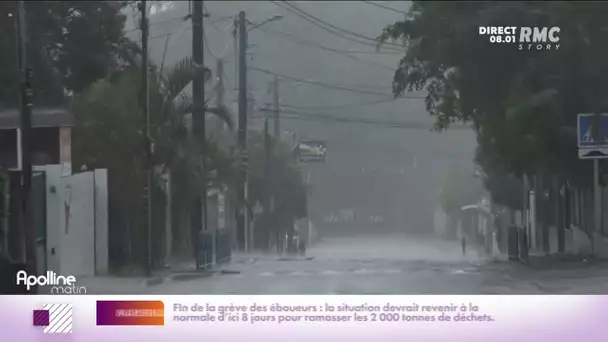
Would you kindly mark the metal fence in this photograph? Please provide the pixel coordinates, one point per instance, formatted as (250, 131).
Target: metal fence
(221, 247)
(224, 246)
(205, 251)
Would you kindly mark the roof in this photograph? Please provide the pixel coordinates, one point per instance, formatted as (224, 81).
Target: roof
(41, 117)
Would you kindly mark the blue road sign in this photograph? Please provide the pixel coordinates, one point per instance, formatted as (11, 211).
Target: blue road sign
(586, 137)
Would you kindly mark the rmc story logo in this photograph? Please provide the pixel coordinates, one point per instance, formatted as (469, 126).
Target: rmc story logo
(60, 285)
(527, 38)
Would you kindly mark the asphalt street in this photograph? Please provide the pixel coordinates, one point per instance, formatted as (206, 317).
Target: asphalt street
(390, 265)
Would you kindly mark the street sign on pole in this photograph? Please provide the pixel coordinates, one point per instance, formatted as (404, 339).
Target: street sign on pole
(592, 136)
(312, 151)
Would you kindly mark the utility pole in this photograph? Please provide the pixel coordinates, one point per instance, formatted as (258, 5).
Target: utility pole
(145, 98)
(198, 116)
(270, 153)
(26, 128)
(597, 199)
(220, 89)
(277, 108)
(218, 125)
(267, 205)
(242, 215)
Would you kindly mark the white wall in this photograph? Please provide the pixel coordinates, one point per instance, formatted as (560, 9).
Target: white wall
(77, 255)
(54, 184)
(101, 221)
(79, 245)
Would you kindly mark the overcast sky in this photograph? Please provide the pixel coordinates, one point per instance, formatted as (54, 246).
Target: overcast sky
(283, 47)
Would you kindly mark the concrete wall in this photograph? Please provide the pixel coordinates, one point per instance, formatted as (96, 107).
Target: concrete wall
(77, 221)
(54, 184)
(78, 225)
(101, 221)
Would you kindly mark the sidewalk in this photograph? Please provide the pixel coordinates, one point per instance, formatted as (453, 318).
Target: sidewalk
(113, 285)
(182, 270)
(179, 270)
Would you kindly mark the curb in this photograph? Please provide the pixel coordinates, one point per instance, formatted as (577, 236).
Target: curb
(190, 276)
(185, 276)
(154, 281)
(229, 272)
(294, 258)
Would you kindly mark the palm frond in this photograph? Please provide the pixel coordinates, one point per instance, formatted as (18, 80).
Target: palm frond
(180, 76)
(177, 79)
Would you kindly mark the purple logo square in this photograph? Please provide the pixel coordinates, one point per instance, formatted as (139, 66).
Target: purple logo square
(41, 318)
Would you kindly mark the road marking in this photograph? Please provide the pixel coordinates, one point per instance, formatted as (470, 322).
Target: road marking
(363, 271)
(329, 272)
(390, 271)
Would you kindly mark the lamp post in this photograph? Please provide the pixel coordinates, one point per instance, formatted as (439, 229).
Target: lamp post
(243, 32)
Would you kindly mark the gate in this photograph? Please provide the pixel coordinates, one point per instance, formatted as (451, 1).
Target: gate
(4, 206)
(205, 252)
(224, 246)
(38, 202)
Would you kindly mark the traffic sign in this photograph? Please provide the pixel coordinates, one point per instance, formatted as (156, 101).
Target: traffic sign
(592, 127)
(312, 151)
(593, 153)
(592, 136)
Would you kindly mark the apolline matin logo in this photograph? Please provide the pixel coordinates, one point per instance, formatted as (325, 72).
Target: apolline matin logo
(60, 285)
(527, 38)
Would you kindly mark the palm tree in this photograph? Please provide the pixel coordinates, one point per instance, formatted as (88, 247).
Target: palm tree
(109, 132)
(181, 155)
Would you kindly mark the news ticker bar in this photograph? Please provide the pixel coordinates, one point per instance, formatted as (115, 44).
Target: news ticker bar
(428, 318)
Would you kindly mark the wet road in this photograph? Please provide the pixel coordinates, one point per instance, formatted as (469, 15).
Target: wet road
(389, 265)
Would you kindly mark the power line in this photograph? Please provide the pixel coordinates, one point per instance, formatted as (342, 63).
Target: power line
(318, 22)
(209, 49)
(188, 28)
(385, 7)
(329, 85)
(219, 30)
(323, 27)
(304, 42)
(218, 20)
(164, 35)
(182, 18)
(323, 84)
(298, 115)
(351, 105)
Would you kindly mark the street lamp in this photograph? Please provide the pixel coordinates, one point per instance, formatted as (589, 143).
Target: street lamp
(242, 31)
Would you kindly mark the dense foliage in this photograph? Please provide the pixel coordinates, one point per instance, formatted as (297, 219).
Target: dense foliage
(71, 44)
(523, 104)
(285, 185)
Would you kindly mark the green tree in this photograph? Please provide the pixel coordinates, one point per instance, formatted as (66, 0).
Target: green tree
(287, 187)
(522, 104)
(460, 187)
(109, 134)
(71, 44)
